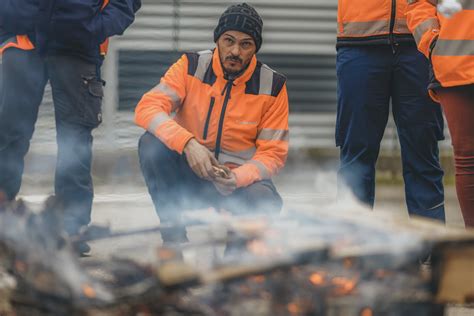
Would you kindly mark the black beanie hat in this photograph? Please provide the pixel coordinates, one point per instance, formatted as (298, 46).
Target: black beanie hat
(242, 18)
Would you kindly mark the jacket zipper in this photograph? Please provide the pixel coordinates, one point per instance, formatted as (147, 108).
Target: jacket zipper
(392, 24)
(227, 91)
(206, 127)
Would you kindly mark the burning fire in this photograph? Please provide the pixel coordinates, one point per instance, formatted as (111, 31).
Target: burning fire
(88, 291)
(343, 285)
(258, 279)
(258, 247)
(294, 309)
(317, 278)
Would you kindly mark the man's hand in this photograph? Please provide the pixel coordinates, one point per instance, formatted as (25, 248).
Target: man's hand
(225, 186)
(200, 159)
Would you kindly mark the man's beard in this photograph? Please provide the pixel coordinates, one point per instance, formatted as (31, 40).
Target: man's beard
(230, 73)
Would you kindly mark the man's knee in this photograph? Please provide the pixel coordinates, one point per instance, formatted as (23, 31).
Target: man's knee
(263, 197)
(151, 149)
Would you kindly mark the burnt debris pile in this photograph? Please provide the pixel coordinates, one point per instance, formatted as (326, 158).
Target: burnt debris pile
(318, 263)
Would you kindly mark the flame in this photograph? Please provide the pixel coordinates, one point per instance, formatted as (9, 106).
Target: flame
(348, 263)
(88, 291)
(166, 254)
(367, 311)
(317, 278)
(345, 285)
(294, 308)
(258, 279)
(259, 247)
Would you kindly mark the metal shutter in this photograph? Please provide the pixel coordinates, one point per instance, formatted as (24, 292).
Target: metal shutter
(299, 39)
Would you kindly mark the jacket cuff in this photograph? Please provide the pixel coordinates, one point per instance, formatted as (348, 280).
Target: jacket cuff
(246, 174)
(181, 141)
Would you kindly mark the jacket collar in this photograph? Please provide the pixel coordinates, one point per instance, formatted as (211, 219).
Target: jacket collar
(243, 78)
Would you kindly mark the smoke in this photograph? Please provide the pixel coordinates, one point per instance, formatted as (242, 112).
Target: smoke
(35, 251)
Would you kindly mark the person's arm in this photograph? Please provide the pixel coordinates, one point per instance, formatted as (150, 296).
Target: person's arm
(153, 114)
(154, 109)
(116, 17)
(272, 144)
(423, 22)
(18, 16)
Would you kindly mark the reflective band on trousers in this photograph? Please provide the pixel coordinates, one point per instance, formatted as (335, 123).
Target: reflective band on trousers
(423, 27)
(365, 28)
(273, 134)
(454, 48)
(157, 121)
(165, 89)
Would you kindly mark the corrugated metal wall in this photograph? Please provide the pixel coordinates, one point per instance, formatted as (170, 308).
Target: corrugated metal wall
(299, 40)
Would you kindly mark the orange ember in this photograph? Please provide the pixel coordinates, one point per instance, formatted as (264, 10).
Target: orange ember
(348, 263)
(366, 312)
(88, 291)
(166, 254)
(344, 285)
(294, 309)
(258, 279)
(258, 247)
(317, 279)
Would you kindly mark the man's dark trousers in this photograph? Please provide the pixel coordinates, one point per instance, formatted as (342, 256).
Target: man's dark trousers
(368, 78)
(174, 187)
(77, 95)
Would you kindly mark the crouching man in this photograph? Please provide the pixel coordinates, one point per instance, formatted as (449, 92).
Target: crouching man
(229, 134)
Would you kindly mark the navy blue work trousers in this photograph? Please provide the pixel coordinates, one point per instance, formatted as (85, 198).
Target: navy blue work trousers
(174, 187)
(368, 78)
(77, 95)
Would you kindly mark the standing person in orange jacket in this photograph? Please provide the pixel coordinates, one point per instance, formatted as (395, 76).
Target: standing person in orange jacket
(231, 113)
(448, 42)
(63, 42)
(378, 62)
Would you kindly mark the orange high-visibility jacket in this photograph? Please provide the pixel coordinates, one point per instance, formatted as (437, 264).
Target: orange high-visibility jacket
(448, 42)
(244, 123)
(23, 42)
(362, 22)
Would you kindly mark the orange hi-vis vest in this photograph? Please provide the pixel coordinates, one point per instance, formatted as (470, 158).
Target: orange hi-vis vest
(448, 42)
(244, 122)
(365, 19)
(24, 43)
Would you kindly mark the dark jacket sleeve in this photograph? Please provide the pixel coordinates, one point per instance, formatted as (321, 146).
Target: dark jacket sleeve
(116, 17)
(18, 16)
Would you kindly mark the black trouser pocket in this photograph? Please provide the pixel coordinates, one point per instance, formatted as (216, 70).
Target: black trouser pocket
(93, 95)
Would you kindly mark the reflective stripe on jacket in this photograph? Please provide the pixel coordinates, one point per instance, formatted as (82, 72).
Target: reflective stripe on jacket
(362, 22)
(244, 122)
(19, 41)
(449, 42)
